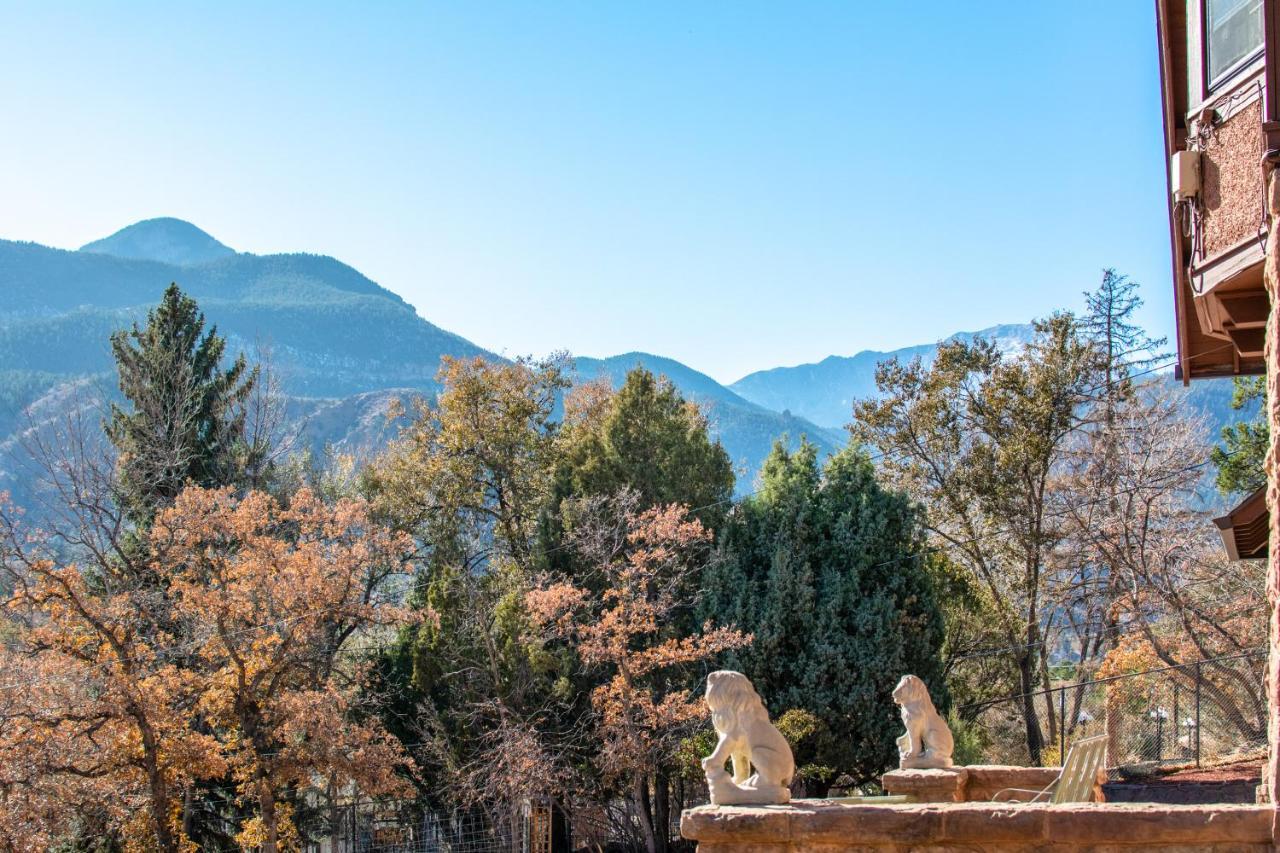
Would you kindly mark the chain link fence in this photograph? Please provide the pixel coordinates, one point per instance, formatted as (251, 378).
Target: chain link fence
(1204, 713)
(1201, 713)
(402, 826)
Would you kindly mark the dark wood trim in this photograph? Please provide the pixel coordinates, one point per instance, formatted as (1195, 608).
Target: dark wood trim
(1245, 528)
(1227, 263)
(1271, 74)
(1175, 236)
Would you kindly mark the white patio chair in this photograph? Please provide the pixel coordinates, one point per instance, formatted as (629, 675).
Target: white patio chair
(1075, 783)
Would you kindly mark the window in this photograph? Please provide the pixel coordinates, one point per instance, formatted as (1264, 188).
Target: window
(1233, 30)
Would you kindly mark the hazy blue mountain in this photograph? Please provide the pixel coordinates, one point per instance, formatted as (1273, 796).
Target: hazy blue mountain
(330, 330)
(168, 240)
(747, 430)
(342, 345)
(824, 392)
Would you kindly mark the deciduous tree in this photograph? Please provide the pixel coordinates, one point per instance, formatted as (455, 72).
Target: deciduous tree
(232, 656)
(468, 479)
(274, 596)
(977, 438)
(624, 636)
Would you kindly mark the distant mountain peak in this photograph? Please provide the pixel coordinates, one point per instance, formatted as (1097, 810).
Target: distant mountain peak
(824, 391)
(166, 239)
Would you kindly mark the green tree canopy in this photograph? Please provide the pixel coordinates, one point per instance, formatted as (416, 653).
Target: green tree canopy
(827, 569)
(1240, 457)
(186, 419)
(647, 438)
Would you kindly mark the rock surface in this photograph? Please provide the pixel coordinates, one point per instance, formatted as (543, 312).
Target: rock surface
(816, 825)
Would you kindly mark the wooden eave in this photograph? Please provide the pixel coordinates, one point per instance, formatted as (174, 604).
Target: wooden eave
(1246, 528)
(1209, 341)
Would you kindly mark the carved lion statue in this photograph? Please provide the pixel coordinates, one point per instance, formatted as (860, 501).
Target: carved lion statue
(927, 742)
(749, 740)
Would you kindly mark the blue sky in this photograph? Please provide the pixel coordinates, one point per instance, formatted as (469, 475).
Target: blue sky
(736, 185)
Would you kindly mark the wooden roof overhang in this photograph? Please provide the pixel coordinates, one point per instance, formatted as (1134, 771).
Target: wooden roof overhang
(1246, 528)
(1220, 302)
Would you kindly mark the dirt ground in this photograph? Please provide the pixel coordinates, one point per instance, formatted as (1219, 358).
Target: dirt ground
(1240, 771)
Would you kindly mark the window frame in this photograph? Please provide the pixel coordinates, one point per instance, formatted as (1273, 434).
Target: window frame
(1209, 85)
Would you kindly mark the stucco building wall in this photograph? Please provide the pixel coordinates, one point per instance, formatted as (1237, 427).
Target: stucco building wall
(1231, 180)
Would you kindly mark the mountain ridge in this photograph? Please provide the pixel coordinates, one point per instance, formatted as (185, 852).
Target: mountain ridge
(343, 346)
(824, 391)
(165, 238)
(339, 341)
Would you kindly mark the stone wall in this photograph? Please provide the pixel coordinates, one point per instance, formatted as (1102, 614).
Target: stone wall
(977, 783)
(814, 826)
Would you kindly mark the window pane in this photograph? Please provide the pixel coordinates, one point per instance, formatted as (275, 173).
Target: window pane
(1235, 31)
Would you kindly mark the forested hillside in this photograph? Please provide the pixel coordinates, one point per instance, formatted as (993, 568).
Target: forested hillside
(338, 342)
(343, 345)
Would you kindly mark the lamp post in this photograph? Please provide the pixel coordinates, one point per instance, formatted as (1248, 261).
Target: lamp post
(1189, 724)
(1159, 715)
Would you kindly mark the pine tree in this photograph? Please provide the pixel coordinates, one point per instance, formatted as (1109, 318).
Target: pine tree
(826, 568)
(1124, 348)
(645, 437)
(648, 438)
(1240, 457)
(186, 422)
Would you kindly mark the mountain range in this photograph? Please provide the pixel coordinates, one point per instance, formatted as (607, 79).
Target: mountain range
(825, 392)
(345, 347)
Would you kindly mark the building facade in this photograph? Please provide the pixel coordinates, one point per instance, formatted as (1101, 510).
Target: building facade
(1221, 106)
(1221, 116)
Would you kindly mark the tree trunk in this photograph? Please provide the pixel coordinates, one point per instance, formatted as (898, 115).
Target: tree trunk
(1027, 679)
(267, 811)
(661, 810)
(1050, 712)
(640, 805)
(161, 814)
(335, 815)
(186, 810)
(165, 840)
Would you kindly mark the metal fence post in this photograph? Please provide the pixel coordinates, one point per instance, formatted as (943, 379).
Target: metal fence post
(1198, 713)
(1062, 725)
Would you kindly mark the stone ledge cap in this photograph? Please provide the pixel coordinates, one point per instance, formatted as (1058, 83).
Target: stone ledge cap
(930, 772)
(817, 821)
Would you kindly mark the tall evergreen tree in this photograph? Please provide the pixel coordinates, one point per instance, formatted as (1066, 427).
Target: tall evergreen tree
(1240, 457)
(1124, 348)
(649, 440)
(646, 438)
(827, 569)
(186, 420)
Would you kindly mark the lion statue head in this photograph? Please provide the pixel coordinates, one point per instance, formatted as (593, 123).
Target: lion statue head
(911, 691)
(732, 700)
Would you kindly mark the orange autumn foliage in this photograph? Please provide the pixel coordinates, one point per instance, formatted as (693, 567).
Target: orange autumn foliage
(626, 632)
(233, 656)
(273, 593)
